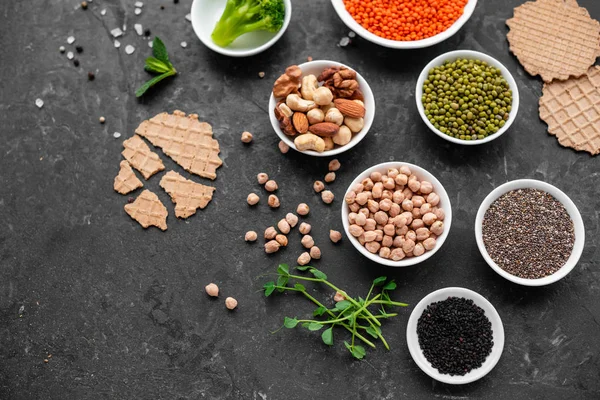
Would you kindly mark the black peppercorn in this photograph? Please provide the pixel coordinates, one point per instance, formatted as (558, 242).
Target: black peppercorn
(162, 7)
(79, 49)
(76, 62)
(91, 76)
(147, 32)
(175, 1)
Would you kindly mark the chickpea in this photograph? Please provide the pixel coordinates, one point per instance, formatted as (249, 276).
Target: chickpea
(414, 185)
(330, 177)
(385, 252)
(339, 296)
(425, 208)
(251, 236)
(408, 246)
(389, 229)
(304, 258)
(426, 187)
(407, 205)
(284, 226)
(365, 212)
(381, 217)
(368, 184)
(334, 165)
(360, 219)
(429, 218)
(362, 198)
(283, 147)
(370, 236)
(358, 188)
(273, 201)
(409, 254)
(401, 179)
(385, 205)
(422, 234)
(352, 218)
(335, 236)
(398, 241)
(246, 137)
(411, 235)
(398, 197)
(433, 199)
(327, 196)
(372, 247)
(418, 201)
(291, 219)
(417, 223)
(377, 190)
(402, 230)
(437, 228)
(440, 214)
(429, 244)
(379, 234)
(304, 228)
(408, 194)
(375, 176)
(405, 170)
(370, 225)
(212, 290)
(315, 253)
(373, 206)
(271, 186)
(270, 233)
(387, 194)
(408, 216)
(392, 173)
(302, 209)
(361, 239)
(413, 177)
(387, 241)
(416, 213)
(397, 254)
(319, 186)
(307, 241)
(253, 199)
(394, 209)
(271, 246)
(389, 184)
(354, 207)
(419, 250)
(231, 303)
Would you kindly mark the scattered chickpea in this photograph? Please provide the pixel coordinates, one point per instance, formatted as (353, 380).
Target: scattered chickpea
(334, 165)
(318, 186)
(327, 196)
(283, 226)
(246, 137)
(304, 258)
(262, 178)
(330, 177)
(270, 233)
(303, 209)
(291, 219)
(335, 236)
(231, 303)
(251, 236)
(282, 240)
(307, 241)
(304, 228)
(283, 147)
(271, 246)
(252, 199)
(315, 253)
(273, 201)
(339, 296)
(212, 290)
(271, 186)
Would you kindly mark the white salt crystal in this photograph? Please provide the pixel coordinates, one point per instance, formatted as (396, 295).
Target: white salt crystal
(139, 4)
(39, 103)
(117, 44)
(70, 55)
(184, 44)
(70, 39)
(116, 32)
(103, 12)
(139, 29)
(137, 11)
(129, 49)
(117, 135)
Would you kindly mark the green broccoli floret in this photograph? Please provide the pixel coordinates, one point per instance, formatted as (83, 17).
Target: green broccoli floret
(243, 16)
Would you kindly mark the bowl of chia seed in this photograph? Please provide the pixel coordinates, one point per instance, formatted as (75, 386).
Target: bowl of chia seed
(467, 97)
(529, 232)
(455, 335)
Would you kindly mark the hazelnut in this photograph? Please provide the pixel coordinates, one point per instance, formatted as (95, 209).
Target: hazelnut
(304, 228)
(271, 186)
(251, 236)
(315, 253)
(262, 178)
(273, 201)
(231, 303)
(335, 236)
(212, 290)
(246, 137)
(303, 209)
(252, 199)
(334, 165)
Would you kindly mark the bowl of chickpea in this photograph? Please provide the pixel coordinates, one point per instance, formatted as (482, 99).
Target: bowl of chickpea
(396, 214)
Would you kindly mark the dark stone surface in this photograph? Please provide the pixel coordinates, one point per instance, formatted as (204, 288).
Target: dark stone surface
(122, 310)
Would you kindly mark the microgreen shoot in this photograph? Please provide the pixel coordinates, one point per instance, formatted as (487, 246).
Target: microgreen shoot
(159, 64)
(352, 314)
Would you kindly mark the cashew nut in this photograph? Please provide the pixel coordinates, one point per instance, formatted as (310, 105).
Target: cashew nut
(309, 84)
(343, 136)
(309, 141)
(285, 110)
(315, 116)
(355, 124)
(297, 103)
(322, 96)
(334, 115)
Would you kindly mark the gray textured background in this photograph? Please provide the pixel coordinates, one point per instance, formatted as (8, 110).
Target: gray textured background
(123, 310)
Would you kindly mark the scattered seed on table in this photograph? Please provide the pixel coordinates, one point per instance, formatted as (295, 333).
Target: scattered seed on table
(129, 49)
(528, 233)
(150, 44)
(351, 34)
(137, 11)
(102, 120)
(147, 32)
(70, 55)
(309, 58)
(138, 29)
(261, 74)
(116, 135)
(117, 44)
(71, 39)
(139, 4)
(62, 49)
(184, 44)
(91, 76)
(39, 103)
(76, 62)
(345, 41)
(79, 49)
(116, 32)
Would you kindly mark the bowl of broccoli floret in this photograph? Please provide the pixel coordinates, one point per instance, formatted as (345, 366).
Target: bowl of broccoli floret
(240, 28)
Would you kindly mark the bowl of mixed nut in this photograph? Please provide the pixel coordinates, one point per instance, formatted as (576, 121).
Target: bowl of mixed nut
(321, 108)
(396, 214)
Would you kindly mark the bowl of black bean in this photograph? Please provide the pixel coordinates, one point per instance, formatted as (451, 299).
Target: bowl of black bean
(529, 232)
(455, 335)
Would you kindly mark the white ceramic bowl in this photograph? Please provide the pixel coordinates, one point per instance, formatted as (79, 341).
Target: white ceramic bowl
(412, 339)
(345, 16)
(315, 68)
(206, 13)
(422, 174)
(468, 54)
(558, 195)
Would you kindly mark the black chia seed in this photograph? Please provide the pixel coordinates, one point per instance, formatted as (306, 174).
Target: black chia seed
(455, 335)
(76, 62)
(79, 49)
(528, 233)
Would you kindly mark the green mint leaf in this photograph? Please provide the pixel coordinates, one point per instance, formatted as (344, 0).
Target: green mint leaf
(379, 281)
(304, 268)
(283, 270)
(314, 326)
(269, 288)
(327, 336)
(319, 311)
(299, 286)
(318, 274)
(290, 322)
(142, 89)
(358, 352)
(160, 51)
(391, 285)
(156, 66)
(342, 305)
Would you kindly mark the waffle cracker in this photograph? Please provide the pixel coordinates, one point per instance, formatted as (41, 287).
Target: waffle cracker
(186, 140)
(555, 39)
(187, 195)
(571, 109)
(141, 157)
(126, 181)
(148, 210)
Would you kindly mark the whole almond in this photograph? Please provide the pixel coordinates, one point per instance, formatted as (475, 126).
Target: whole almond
(300, 122)
(349, 108)
(324, 129)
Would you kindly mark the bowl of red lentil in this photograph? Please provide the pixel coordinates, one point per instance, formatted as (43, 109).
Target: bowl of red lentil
(407, 25)
(530, 232)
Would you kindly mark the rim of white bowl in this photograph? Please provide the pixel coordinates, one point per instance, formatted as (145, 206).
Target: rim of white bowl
(469, 54)
(351, 23)
(558, 195)
(239, 53)
(490, 312)
(437, 188)
(356, 138)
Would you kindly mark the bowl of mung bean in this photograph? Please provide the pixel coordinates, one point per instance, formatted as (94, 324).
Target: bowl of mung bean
(529, 232)
(467, 97)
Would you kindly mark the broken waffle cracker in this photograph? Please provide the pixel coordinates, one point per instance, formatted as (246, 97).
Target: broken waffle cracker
(555, 39)
(141, 157)
(187, 195)
(186, 140)
(126, 181)
(571, 109)
(148, 210)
